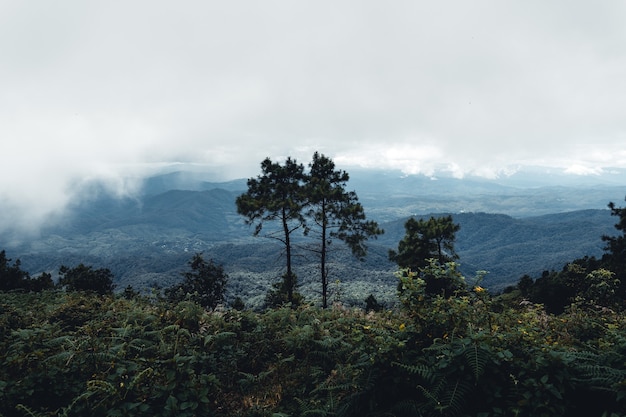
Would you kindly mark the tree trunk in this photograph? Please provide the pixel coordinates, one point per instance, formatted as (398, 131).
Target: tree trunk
(323, 261)
(289, 276)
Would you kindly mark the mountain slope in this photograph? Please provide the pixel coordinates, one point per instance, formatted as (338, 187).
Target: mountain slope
(148, 240)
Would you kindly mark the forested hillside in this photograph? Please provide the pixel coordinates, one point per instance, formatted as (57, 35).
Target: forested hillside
(148, 241)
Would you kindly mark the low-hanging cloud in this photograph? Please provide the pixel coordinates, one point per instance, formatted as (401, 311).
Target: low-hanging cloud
(112, 90)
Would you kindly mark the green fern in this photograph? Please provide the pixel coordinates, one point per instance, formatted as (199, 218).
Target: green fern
(477, 359)
(314, 409)
(330, 342)
(453, 397)
(407, 408)
(596, 371)
(424, 371)
(27, 411)
(447, 398)
(449, 373)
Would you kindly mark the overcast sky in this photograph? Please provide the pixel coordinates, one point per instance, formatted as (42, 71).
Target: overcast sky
(108, 89)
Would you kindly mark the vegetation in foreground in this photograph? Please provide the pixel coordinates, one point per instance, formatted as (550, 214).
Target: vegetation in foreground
(467, 354)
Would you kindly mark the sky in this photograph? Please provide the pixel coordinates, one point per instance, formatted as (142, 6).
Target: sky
(112, 90)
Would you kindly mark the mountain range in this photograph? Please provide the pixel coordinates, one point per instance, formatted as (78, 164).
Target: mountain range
(147, 239)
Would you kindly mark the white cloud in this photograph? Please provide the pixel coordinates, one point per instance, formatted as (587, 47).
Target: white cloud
(104, 89)
(583, 170)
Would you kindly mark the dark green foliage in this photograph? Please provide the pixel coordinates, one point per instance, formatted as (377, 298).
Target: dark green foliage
(72, 354)
(525, 285)
(12, 277)
(616, 245)
(334, 213)
(615, 256)
(425, 256)
(276, 195)
(316, 203)
(279, 295)
(448, 374)
(425, 239)
(582, 281)
(372, 304)
(483, 358)
(238, 304)
(204, 284)
(130, 293)
(40, 283)
(85, 278)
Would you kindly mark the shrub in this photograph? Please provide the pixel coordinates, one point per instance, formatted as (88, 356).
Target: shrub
(205, 284)
(85, 278)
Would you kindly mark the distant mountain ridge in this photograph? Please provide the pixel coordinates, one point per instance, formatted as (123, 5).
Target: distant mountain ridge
(148, 239)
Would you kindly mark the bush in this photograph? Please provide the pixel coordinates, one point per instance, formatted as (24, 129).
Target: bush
(205, 284)
(85, 278)
(83, 354)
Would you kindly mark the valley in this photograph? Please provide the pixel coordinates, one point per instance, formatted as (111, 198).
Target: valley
(147, 240)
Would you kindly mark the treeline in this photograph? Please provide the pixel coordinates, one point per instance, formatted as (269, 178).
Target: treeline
(600, 282)
(78, 278)
(12, 277)
(204, 283)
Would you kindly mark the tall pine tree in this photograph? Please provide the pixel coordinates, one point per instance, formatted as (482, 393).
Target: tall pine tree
(334, 213)
(276, 195)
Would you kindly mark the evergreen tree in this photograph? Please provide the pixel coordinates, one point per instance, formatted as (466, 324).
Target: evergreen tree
(429, 246)
(614, 258)
(11, 276)
(334, 213)
(616, 245)
(85, 278)
(205, 283)
(426, 239)
(40, 283)
(276, 195)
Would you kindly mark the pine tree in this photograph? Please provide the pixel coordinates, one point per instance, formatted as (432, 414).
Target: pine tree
(334, 213)
(426, 239)
(205, 283)
(276, 195)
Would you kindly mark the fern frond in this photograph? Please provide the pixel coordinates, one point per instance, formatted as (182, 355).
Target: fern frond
(322, 355)
(429, 395)
(65, 357)
(140, 376)
(595, 370)
(424, 371)
(102, 356)
(217, 338)
(327, 386)
(27, 411)
(312, 409)
(61, 340)
(477, 359)
(599, 377)
(99, 385)
(453, 397)
(172, 328)
(407, 408)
